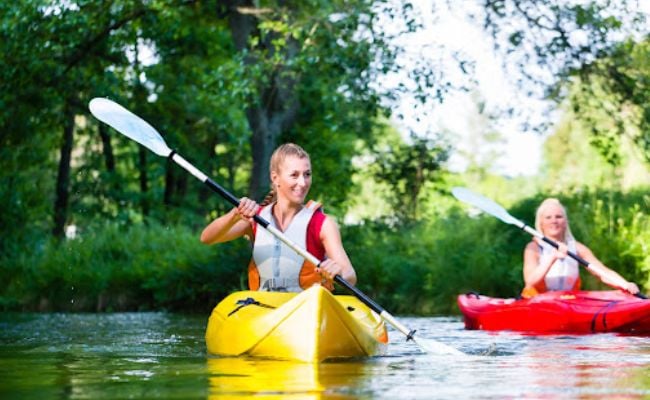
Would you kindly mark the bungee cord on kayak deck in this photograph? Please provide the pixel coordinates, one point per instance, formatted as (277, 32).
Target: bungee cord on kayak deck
(248, 302)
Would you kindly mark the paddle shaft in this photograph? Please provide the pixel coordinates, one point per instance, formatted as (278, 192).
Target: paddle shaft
(571, 254)
(553, 243)
(295, 247)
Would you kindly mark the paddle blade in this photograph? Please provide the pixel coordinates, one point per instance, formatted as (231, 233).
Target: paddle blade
(483, 203)
(128, 124)
(436, 348)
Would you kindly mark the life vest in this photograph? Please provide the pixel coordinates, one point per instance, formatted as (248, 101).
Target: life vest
(564, 274)
(275, 266)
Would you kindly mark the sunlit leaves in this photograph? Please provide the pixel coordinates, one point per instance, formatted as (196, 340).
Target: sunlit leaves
(612, 99)
(407, 168)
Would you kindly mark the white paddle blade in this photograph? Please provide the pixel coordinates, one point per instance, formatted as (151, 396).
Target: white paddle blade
(128, 124)
(436, 348)
(483, 203)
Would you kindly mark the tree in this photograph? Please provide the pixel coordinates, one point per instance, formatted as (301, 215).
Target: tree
(226, 81)
(406, 168)
(558, 44)
(612, 99)
(311, 66)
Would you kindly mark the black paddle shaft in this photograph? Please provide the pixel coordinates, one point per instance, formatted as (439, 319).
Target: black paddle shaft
(582, 261)
(232, 199)
(570, 253)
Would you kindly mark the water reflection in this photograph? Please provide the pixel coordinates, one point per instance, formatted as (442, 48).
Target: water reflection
(590, 366)
(244, 377)
(158, 355)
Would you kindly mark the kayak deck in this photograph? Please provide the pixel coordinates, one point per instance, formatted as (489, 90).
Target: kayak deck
(310, 326)
(559, 312)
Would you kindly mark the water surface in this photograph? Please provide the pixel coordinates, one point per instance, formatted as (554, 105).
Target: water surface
(159, 355)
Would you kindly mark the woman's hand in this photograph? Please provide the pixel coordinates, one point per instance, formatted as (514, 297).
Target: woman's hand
(247, 209)
(328, 268)
(630, 287)
(561, 252)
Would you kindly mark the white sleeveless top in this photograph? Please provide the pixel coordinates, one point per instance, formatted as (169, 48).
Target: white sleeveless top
(278, 265)
(564, 273)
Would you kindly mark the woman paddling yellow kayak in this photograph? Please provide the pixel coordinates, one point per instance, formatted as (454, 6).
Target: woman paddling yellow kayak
(269, 322)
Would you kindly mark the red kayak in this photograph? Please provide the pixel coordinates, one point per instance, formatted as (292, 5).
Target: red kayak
(559, 312)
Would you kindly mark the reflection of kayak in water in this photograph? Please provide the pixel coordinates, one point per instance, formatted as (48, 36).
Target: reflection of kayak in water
(241, 377)
(246, 377)
(310, 326)
(559, 311)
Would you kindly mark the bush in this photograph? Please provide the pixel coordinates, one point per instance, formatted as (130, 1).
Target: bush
(114, 267)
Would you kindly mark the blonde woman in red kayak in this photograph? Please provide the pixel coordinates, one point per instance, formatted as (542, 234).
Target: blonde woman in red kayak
(274, 266)
(547, 268)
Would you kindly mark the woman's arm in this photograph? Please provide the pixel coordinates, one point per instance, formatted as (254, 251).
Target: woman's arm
(236, 223)
(337, 262)
(606, 275)
(534, 272)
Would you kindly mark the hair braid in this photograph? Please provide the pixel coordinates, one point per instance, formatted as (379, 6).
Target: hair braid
(270, 198)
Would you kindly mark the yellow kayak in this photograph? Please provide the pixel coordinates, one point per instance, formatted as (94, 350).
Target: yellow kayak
(310, 326)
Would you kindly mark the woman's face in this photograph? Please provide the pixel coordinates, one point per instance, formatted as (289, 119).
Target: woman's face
(293, 179)
(554, 222)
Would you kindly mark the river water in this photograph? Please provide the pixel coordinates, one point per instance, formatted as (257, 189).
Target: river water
(160, 355)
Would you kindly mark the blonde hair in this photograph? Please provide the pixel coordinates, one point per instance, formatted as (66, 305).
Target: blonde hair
(277, 158)
(545, 205)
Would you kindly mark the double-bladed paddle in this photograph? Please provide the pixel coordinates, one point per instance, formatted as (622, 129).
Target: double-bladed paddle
(137, 129)
(483, 203)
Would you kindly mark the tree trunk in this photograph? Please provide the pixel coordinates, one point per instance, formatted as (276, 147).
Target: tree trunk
(107, 148)
(63, 177)
(276, 108)
(181, 187)
(169, 182)
(263, 141)
(144, 186)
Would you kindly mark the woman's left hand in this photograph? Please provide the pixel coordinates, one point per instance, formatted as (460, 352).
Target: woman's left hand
(329, 269)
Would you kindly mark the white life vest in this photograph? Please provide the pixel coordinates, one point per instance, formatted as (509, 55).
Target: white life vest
(564, 273)
(278, 265)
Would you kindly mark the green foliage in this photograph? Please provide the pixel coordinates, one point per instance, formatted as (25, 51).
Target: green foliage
(610, 97)
(573, 160)
(406, 168)
(416, 268)
(183, 68)
(615, 227)
(559, 35)
(113, 267)
(421, 268)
